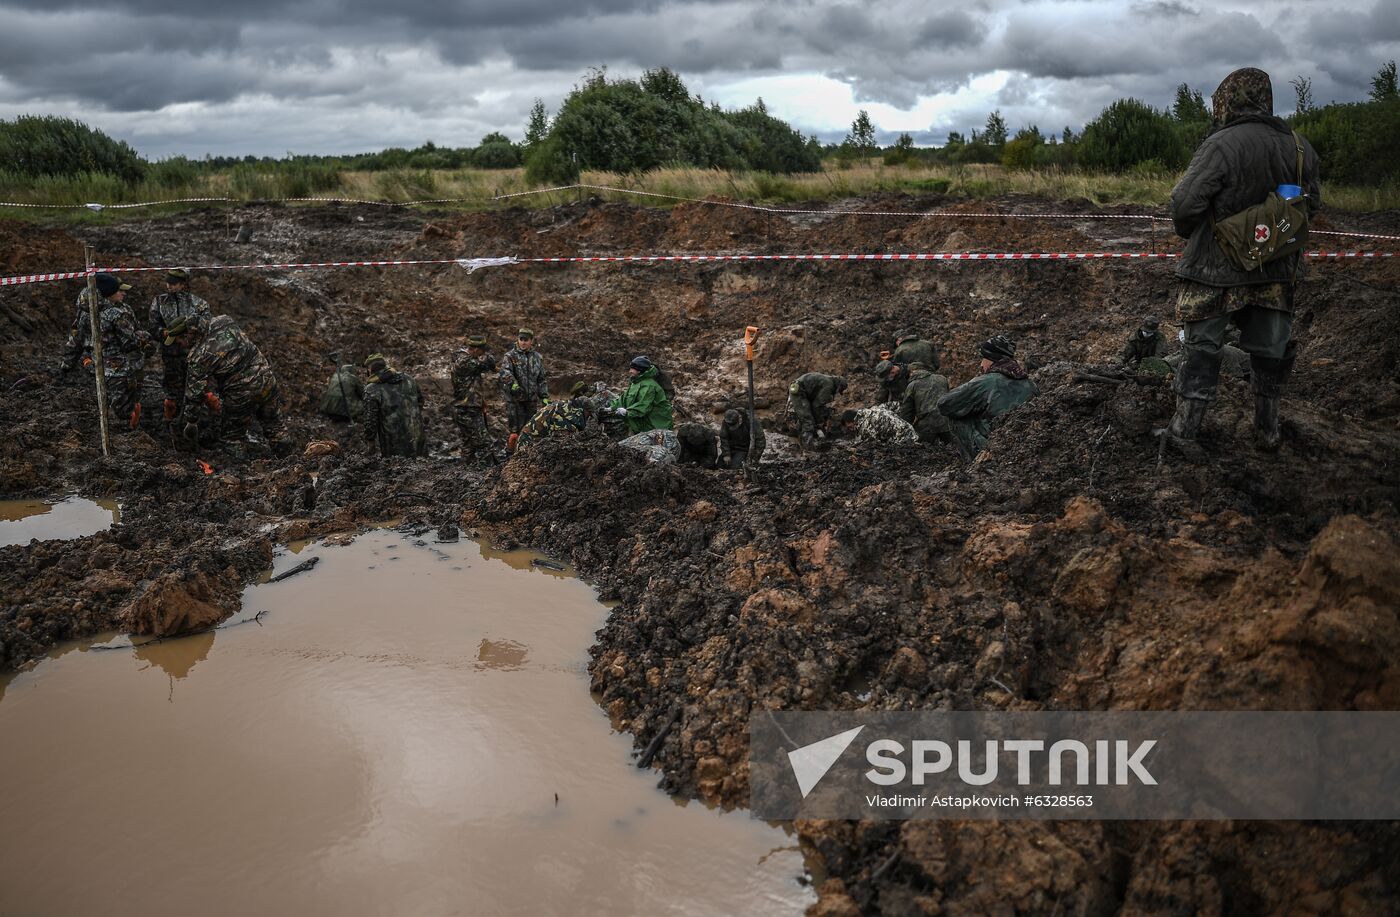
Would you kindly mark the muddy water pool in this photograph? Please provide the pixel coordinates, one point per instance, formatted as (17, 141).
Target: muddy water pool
(408, 730)
(74, 517)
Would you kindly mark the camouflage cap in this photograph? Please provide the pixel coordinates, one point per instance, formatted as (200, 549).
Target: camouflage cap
(883, 368)
(375, 358)
(732, 418)
(525, 334)
(902, 336)
(476, 340)
(177, 275)
(1247, 91)
(1151, 323)
(578, 389)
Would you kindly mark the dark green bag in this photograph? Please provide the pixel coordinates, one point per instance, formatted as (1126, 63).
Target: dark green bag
(1265, 232)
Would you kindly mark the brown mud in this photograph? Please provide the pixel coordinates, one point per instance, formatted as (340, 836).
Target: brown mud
(1063, 570)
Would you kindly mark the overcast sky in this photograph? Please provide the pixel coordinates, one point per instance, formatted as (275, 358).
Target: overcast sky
(338, 76)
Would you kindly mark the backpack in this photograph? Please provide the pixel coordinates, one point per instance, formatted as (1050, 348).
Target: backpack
(1265, 232)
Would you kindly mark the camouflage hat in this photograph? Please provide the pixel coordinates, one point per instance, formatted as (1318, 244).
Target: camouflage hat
(1247, 91)
(476, 340)
(732, 418)
(375, 358)
(902, 336)
(525, 334)
(883, 369)
(108, 284)
(177, 275)
(1151, 323)
(998, 348)
(578, 389)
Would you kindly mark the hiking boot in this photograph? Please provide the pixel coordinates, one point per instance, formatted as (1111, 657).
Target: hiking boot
(1186, 422)
(1266, 431)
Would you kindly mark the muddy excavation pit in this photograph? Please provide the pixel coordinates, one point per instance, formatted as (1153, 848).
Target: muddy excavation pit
(1065, 569)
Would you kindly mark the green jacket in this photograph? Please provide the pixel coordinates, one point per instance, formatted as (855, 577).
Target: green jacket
(919, 406)
(819, 389)
(394, 414)
(647, 405)
(344, 394)
(1141, 345)
(971, 406)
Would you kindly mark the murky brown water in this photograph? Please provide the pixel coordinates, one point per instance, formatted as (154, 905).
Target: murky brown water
(389, 739)
(75, 517)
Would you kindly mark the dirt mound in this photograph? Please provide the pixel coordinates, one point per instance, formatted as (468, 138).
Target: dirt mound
(1070, 567)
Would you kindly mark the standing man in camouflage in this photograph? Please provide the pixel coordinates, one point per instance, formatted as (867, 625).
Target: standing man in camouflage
(175, 303)
(919, 406)
(909, 349)
(1247, 154)
(522, 380)
(393, 410)
(971, 406)
(227, 374)
(809, 404)
(124, 348)
(469, 373)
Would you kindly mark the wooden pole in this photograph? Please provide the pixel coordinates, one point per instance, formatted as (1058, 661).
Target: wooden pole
(99, 368)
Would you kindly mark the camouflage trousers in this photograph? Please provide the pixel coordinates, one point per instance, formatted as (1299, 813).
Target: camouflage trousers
(244, 403)
(173, 364)
(474, 429)
(805, 419)
(1264, 316)
(124, 395)
(518, 413)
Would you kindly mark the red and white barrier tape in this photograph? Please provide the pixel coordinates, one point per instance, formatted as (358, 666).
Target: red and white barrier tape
(473, 264)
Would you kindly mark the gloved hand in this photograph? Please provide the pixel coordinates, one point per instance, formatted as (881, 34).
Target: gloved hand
(169, 408)
(87, 362)
(515, 387)
(619, 412)
(215, 403)
(544, 401)
(66, 367)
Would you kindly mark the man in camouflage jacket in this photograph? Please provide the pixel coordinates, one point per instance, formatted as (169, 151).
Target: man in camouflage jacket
(522, 380)
(1247, 154)
(469, 373)
(124, 348)
(393, 410)
(226, 373)
(175, 303)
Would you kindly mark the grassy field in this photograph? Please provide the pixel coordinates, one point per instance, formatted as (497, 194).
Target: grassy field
(477, 189)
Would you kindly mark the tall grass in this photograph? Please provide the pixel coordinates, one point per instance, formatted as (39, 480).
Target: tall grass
(478, 189)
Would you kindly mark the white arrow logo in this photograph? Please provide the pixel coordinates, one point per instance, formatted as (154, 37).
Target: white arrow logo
(811, 762)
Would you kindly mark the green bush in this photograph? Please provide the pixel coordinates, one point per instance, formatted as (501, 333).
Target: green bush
(1355, 142)
(36, 145)
(1129, 132)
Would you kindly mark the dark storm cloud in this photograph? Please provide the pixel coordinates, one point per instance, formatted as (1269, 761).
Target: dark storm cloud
(365, 69)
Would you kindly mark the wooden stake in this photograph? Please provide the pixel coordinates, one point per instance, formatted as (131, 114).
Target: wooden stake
(99, 368)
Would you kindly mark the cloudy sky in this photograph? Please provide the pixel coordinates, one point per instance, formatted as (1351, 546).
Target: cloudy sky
(336, 76)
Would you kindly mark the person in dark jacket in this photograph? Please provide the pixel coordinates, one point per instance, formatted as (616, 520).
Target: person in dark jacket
(908, 349)
(893, 378)
(344, 394)
(919, 406)
(734, 440)
(393, 410)
(809, 404)
(971, 406)
(1247, 154)
(1145, 342)
(699, 445)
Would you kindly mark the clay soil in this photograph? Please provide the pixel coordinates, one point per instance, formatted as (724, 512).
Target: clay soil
(1065, 569)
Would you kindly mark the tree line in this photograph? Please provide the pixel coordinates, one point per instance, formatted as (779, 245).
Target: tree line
(638, 125)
